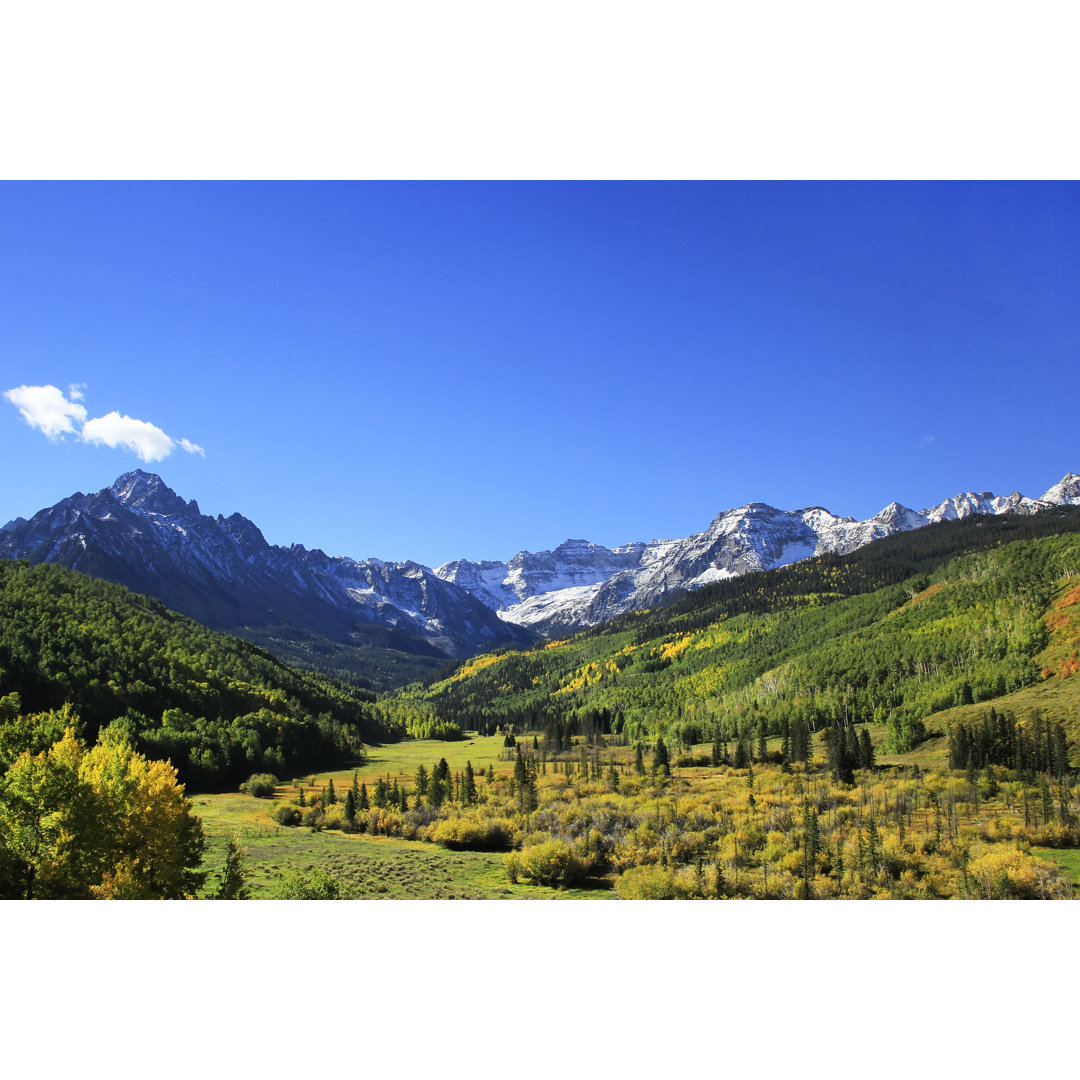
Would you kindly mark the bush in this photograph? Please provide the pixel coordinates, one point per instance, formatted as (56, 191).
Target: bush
(261, 785)
(646, 883)
(471, 834)
(552, 864)
(310, 884)
(287, 814)
(693, 761)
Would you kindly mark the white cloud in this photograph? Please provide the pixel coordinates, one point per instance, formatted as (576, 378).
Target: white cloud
(927, 440)
(144, 439)
(46, 408)
(192, 448)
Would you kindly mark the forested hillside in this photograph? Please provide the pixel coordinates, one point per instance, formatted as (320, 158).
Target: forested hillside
(951, 615)
(219, 708)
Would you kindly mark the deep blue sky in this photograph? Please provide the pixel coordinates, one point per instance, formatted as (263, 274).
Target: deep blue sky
(433, 371)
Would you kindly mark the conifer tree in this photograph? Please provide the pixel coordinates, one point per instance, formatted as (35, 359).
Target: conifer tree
(866, 750)
(363, 802)
(661, 758)
(639, 761)
(421, 781)
(873, 843)
(233, 877)
(468, 787)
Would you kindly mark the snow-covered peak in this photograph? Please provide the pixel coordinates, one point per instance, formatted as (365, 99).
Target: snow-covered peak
(148, 493)
(1066, 492)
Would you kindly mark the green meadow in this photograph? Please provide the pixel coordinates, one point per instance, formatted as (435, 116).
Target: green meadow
(369, 867)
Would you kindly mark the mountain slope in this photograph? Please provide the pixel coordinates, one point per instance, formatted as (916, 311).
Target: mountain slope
(386, 623)
(218, 707)
(899, 630)
(222, 572)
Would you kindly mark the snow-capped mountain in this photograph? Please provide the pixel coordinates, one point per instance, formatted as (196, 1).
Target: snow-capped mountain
(222, 572)
(581, 584)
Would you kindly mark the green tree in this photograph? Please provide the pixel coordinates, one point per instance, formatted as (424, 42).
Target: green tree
(866, 750)
(232, 881)
(661, 757)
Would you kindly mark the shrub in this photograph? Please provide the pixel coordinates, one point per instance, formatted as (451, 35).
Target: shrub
(552, 864)
(287, 814)
(472, 834)
(261, 785)
(646, 883)
(512, 866)
(310, 884)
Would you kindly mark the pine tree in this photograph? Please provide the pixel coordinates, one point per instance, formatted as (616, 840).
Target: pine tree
(873, 843)
(350, 806)
(232, 879)
(866, 750)
(331, 798)
(363, 802)
(639, 761)
(468, 786)
(421, 781)
(661, 758)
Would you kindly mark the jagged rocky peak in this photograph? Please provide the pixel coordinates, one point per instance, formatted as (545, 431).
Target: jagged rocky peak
(147, 492)
(1065, 491)
(245, 534)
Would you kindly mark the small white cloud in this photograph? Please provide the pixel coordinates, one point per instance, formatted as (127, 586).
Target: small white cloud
(46, 408)
(144, 439)
(927, 440)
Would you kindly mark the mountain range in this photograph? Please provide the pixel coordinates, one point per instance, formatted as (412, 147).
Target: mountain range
(398, 619)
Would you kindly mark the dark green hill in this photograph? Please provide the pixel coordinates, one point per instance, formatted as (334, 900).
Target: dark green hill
(218, 707)
(898, 631)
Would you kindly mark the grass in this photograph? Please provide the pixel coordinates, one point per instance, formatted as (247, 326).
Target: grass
(1068, 860)
(370, 867)
(401, 760)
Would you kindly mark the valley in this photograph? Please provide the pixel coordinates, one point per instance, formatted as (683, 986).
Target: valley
(901, 721)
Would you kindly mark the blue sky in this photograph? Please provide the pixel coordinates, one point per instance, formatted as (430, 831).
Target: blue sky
(434, 371)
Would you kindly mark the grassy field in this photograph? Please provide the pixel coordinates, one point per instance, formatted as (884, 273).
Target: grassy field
(400, 761)
(370, 867)
(1069, 861)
